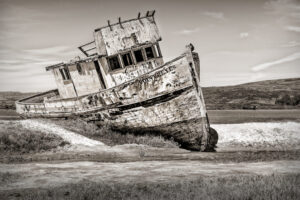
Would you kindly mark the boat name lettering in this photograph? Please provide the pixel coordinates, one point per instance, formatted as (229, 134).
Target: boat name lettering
(157, 74)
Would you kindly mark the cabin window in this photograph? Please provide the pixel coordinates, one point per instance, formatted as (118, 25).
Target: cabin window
(114, 63)
(149, 52)
(157, 50)
(138, 54)
(127, 59)
(65, 74)
(79, 68)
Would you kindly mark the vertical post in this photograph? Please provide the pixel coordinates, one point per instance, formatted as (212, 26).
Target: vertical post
(108, 22)
(120, 23)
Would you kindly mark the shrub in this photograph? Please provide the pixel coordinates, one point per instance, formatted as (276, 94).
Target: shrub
(15, 138)
(110, 137)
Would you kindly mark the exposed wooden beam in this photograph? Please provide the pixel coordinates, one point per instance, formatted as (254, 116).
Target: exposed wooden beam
(87, 44)
(120, 23)
(108, 22)
(83, 51)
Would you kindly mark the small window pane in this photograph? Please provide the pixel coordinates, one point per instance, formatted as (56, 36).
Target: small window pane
(149, 52)
(114, 63)
(127, 59)
(138, 56)
(157, 52)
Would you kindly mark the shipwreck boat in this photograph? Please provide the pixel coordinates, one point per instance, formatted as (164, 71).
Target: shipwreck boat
(124, 82)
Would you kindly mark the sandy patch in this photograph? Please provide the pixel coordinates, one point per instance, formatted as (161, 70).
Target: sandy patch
(279, 135)
(69, 136)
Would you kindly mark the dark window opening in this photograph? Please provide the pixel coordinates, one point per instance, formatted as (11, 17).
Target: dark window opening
(79, 68)
(127, 59)
(62, 74)
(138, 56)
(149, 52)
(114, 63)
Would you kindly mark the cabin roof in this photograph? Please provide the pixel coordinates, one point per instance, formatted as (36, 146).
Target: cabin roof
(72, 62)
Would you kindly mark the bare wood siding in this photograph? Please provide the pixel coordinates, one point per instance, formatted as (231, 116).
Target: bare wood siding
(87, 81)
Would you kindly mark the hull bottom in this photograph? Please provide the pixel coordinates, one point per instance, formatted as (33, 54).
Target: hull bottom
(174, 116)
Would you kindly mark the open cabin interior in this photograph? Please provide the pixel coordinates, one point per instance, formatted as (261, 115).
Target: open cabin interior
(119, 53)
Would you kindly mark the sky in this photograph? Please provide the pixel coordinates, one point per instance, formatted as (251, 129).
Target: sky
(238, 41)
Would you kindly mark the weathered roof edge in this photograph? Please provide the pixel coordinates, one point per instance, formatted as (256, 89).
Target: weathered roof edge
(148, 14)
(91, 58)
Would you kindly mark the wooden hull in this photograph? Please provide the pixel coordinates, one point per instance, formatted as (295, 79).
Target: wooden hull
(166, 101)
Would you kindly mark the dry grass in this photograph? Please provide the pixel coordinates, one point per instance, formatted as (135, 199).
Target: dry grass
(15, 139)
(225, 187)
(110, 137)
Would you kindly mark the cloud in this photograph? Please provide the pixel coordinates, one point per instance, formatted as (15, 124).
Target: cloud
(266, 65)
(215, 15)
(188, 31)
(50, 50)
(244, 35)
(291, 44)
(289, 8)
(8, 69)
(284, 12)
(293, 28)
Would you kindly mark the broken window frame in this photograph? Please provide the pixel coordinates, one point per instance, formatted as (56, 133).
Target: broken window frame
(155, 50)
(64, 72)
(131, 57)
(119, 61)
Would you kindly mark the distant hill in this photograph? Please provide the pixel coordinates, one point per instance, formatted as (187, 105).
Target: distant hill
(271, 94)
(7, 99)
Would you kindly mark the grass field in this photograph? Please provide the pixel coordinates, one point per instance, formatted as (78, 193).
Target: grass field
(154, 180)
(231, 187)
